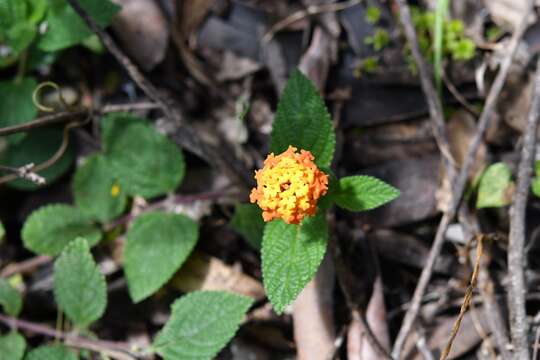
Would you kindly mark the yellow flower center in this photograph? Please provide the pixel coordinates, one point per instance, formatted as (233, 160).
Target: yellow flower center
(289, 186)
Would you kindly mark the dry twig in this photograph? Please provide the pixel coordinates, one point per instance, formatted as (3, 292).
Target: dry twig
(68, 116)
(301, 14)
(460, 182)
(516, 248)
(185, 135)
(467, 298)
(113, 349)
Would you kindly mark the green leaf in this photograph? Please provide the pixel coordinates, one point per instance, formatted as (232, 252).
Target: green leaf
(10, 298)
(157, 245)
(535, 184)
(37, 147)
(96, 191)
(373, 14)
(440, 16)
(51, 352)
(201, 324)
(20, 36)
(495, 188)
(303, 121)
(360, 193)
(79, 286)
(291, 255)
(248, 221)
(145, 162)
(66, 28)
(50, 228)
(2, 232)
(16, 106)
(12, 346)
(463, 49)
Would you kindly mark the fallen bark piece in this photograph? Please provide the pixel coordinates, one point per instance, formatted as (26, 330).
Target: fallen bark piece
(203, 272)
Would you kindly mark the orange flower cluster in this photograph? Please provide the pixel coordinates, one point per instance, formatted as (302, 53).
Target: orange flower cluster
(289, 186)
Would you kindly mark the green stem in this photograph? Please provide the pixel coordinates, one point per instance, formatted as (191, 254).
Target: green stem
(440, 15)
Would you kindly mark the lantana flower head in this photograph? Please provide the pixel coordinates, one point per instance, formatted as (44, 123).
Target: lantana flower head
(289, 186)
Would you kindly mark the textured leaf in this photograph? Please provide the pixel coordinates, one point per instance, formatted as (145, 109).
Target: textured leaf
(51, 352)
(66, 28)
(16, 106)
(96, 191)
(12, 346)
(10, 299)
(201, 324)
(495, 188)
(37, 147)
(291, 255)
(157, 245)
(50, 228)
(145, 162)
(360, 193)
(79, 286)
(303, 121)
(248, 221)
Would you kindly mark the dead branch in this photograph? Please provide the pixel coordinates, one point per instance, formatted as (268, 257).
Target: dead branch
(115, 350)
(517, 291)
(466, 300)
(461, 180)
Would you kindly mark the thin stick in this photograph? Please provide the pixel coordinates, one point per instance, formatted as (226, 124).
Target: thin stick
(130, 67)
(116, 350)
(536, 343)
(517, 291)
(177, 199)
(25, 266)
(434, 103)
(24, 172)
(467, 298)
(53, 159)
(460, 183)
(187, 137)
(301, 14)
(67, 116)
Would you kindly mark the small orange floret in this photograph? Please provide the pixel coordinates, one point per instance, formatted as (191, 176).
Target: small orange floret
(289, 186)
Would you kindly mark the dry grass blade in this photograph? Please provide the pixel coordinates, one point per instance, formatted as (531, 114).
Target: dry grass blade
(467, 298)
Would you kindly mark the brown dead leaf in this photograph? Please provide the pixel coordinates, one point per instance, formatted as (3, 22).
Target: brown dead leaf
(203, 272)
(142, 30)
(461, 130)
(509, 13)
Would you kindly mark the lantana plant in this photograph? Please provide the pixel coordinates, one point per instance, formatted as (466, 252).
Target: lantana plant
(296, 187)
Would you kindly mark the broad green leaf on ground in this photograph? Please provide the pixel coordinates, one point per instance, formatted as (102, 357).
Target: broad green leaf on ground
(144, 161)
(12, 346)
(16, 106)
(50, 228)
(37, 147)
(302, 120)
(66, 28)
(360, 193)
(291, 255)
(496, 186)
(157, 245)
(248, 221)
(201, 324)
(51, 352)
(96, 191)
(79, 286)
(10, 298)
(18, 27)
(535, 184)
